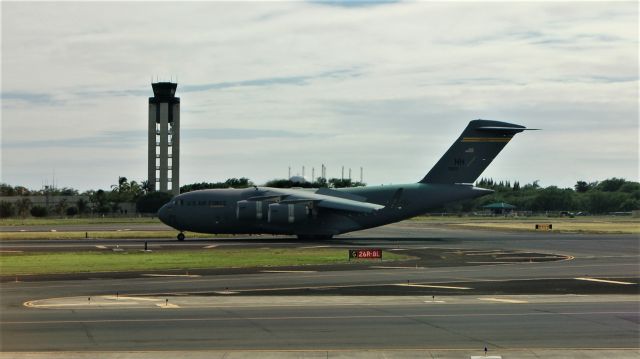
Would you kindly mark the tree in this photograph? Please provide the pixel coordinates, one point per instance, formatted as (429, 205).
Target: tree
(61, 207)
(72, 211)
(630, 205)
(603, 202)
(6, 190)
(39, 211)
(82, 206)
(23, 206)
(582, 187)
(611, 184)
(151, 202)
(67, 191)
(339, 183)
(553, 198)
(99, 201)
(7, 209)
(22, 191)
(146, 186)
(229, 183)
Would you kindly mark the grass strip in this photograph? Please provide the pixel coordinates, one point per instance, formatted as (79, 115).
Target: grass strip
(102, 235)
(127, 261)
(78, 220)
(579, 227)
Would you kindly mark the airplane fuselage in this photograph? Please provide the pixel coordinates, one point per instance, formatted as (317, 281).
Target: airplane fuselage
(216, 210)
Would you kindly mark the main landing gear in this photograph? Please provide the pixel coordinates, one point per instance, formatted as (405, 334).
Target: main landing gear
(181, 236)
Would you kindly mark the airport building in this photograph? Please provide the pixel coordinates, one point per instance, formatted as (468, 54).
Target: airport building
(164, 138)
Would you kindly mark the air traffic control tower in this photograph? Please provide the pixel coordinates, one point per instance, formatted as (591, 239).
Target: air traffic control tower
(164, 138)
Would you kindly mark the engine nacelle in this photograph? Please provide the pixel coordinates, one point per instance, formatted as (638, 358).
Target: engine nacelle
(287, 213)
(250, 210)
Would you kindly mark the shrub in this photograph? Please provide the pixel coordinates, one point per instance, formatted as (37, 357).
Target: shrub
(72, 211)
(39, 211)
(7, 209)
(151, 202)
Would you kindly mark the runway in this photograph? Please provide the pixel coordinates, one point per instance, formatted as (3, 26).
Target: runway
(585, 299)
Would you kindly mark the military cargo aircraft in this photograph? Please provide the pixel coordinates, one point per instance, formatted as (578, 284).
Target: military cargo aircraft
(322, 213)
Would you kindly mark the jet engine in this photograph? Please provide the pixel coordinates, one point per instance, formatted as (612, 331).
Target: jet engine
(287, 213)
(250, 210)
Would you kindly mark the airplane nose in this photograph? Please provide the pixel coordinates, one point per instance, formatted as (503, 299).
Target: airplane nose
(163, 214)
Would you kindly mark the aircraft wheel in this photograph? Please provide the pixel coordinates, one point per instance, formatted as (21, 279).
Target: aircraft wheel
(181, 236)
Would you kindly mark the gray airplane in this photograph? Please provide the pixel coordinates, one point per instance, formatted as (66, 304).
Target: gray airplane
(325, 212)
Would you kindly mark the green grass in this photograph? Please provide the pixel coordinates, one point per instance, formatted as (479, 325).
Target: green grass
(75, 221)
(109, 261)
(101, 235)
(587, 224)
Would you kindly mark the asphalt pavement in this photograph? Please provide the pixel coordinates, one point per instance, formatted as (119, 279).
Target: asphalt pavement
(580, 301)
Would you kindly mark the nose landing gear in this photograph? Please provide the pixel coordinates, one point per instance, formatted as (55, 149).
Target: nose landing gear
(181, 236)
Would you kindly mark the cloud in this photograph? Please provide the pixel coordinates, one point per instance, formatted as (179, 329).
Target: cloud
(383, 85)
(33, 98)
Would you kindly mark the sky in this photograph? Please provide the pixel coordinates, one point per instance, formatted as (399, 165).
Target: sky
(264, 86)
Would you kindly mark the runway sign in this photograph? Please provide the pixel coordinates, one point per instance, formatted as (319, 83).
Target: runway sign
(544, 227)
(365, 253)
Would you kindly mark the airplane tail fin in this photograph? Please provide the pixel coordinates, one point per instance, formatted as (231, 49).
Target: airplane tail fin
(472, 152)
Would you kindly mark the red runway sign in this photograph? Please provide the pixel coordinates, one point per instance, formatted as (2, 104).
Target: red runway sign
(365, 253)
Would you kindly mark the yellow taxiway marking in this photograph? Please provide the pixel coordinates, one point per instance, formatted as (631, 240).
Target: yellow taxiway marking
(288, 271)
(604, 281)
(390, 267)
(312, 247)
(431, 286)
(9, 251)
(497, 262)
(167, 306)
(172, 275)
(504, 300)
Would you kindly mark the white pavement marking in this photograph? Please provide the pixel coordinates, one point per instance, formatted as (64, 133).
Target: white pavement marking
(211, 246)
(486, 357)
(172, 275)
(434, 301)
(226, 292)
(398, 249)
(122, 297)
(431, 286)
(604, 281)
(312, 247)
(389, 267)
(288, 271)
(504, 300)
(167, 306)
(9, 251)
(101, 247)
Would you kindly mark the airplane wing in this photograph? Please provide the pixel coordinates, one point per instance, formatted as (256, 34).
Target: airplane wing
(293, 196)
